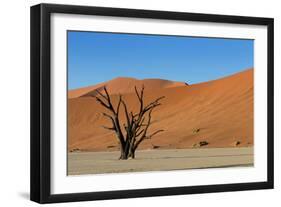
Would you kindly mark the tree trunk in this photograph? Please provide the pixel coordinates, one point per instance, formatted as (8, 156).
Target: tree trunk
(123, 155)
(127, 153)
(132, 153)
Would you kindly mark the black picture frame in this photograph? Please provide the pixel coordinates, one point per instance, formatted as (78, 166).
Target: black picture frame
(41, 96)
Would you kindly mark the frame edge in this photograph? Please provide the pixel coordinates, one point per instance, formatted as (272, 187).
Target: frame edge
(270, 102)
(35, 25)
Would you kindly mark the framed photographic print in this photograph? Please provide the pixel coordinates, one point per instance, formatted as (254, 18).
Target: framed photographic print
(133, 103)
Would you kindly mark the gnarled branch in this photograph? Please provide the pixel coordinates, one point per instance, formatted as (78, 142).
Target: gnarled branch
(136, 126)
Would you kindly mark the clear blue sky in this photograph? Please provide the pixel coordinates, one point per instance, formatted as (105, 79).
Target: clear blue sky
(95, 57)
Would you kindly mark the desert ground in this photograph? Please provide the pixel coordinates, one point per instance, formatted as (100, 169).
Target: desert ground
(80, 163)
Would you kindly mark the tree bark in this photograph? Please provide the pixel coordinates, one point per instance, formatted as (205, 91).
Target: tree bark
(123, 155)
(132, 153)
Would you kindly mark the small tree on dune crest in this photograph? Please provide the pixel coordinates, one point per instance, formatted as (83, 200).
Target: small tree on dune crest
(135, 128)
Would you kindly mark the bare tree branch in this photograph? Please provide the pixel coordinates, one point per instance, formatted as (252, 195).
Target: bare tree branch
(114, 118)
(107, 115)
(137, 93)
(138, 134)
(119, 103)
(101, 94)
(154, 133)
(102, 102)
(153, 104)
(135, 127)
(126, 113)
(109, 128)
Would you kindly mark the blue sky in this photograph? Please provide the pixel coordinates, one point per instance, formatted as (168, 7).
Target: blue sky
(95, 57)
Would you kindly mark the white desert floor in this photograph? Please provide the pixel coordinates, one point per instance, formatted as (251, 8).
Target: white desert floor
(158, 160)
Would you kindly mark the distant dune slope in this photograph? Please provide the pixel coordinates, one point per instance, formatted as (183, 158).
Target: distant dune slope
(219, 112)
(124, 85)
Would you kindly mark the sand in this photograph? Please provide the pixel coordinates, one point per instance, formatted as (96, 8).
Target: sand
(157, 160)
(219, 112)
(124, 85)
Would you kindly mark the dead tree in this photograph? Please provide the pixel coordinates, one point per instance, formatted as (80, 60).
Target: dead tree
(136, 125)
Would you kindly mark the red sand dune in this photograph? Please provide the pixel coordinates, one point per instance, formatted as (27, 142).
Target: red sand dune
(222, 110)
(124, 85)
